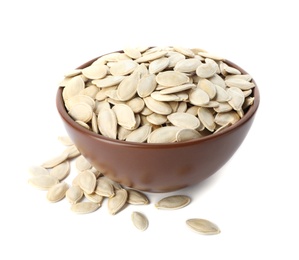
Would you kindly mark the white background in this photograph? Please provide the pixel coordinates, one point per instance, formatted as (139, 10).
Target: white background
(253, 198)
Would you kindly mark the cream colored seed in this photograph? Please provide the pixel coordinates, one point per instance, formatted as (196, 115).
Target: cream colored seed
(61, 171)
(82, 164)
(173, 202)
(87, 181)
(43, 182)
(136, 197)
(139, 220)
(104, 188)
(37, 170)
(85, 207)
(117, 202)
(74, 194)
(57, 192)
(203, 226)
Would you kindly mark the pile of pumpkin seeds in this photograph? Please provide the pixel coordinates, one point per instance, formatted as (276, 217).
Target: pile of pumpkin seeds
(89, 188)
(157, 94)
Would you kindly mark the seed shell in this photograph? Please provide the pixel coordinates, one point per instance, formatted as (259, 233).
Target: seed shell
(85, 207)
(87, 181)
(203, 226)
(117, 202)
(139, 220)
(43, 182)
(74, 194)
(57, 192)
(61, 171)
(136, 197)
(173, 202)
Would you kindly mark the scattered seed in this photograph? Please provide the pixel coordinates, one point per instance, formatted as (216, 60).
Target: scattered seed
(139, 220)
(173, 202)
(203, 226)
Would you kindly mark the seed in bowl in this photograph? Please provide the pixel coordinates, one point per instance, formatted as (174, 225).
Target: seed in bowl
(152, 88)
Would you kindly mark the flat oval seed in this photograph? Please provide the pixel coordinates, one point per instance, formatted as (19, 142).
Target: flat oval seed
(61, 171)
(128, 87)
(156, 119)
(104, 188)
(93, 197)
(136, 104)
(140, 134)
(82, 164)
(207, 118)
(237, 98)
(208, 87)
(136, 197)
(146, 85)
(151, 56)
(166, 134)
(43, 182)
(79, 99)
(85, 207)
(177, 89)
(187, 134)
(57, 192)
(206, 70)
(73, 87)
(134, 53)
(108, 81)
(107, 123)
(198, 97)
(239, 83)
(227, 117)
(172, 78)
(139, 220)
(173, 202)
(187, 65)
(55, 161)
(203, 226)
(158, 65)
(158, 107)
(123, 67)
(117, 202)
(125, 116)
(37, 170)
(74, 194)
(184, 120)
(95, 71)
(87, 181)
(81, 112)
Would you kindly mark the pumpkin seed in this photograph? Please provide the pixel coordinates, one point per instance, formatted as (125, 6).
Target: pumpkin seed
(173, 202)
(61, 171)
(43, 182)
(37, 170)
(139, 220)
(87, 181)
(172, 78)
(203, 226)
(104, 188)
(117, 202)
(184, 120)
(85, 207)
(82, 164)
(57, 192)
(74, 194)
(165, 134)
(136, 197)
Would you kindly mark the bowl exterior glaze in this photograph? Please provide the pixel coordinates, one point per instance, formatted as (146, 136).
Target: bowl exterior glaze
(158, 167)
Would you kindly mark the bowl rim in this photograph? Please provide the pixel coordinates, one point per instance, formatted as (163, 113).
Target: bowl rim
(247, 116)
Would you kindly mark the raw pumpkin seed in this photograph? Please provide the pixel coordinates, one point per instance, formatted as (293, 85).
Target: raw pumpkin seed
(173, 202)
(203, 226)
(139, 220)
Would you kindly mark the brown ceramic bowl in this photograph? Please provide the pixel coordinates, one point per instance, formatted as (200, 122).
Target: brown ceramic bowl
(159, 167)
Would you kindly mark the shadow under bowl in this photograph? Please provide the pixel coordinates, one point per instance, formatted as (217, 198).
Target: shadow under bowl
(159, 167)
